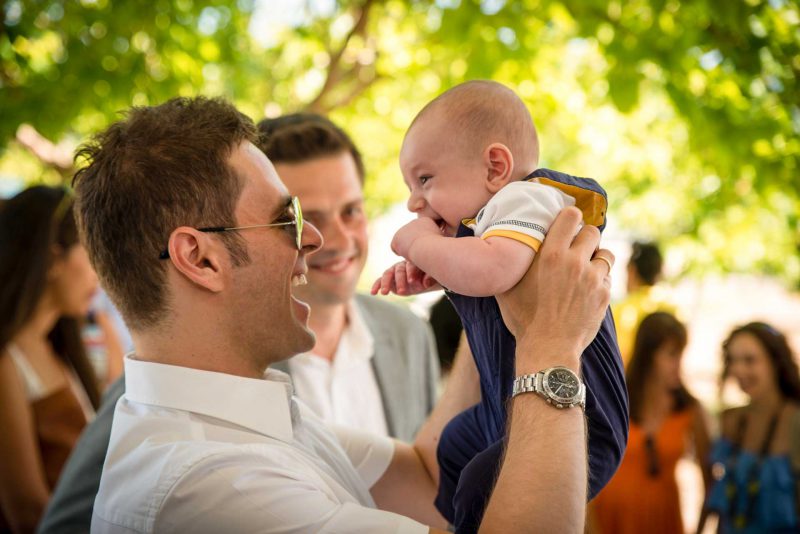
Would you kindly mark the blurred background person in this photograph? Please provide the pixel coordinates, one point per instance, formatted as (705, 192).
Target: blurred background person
(755, 461)
(106, 338)
(48, 388)
(642, 296)
(666, 422)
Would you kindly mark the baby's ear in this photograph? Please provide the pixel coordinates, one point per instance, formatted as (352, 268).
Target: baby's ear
(500, 165)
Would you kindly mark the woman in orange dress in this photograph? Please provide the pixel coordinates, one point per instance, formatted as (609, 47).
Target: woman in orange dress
(665, 422)
(47, 386)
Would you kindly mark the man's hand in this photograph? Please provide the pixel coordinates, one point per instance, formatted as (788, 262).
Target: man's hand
(404, 279)
(407, 234)
(564, 294)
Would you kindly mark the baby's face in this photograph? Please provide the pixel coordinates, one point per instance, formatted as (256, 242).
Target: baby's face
(446, 182)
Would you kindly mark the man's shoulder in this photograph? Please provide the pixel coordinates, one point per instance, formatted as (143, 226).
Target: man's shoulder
(153, 447)
(147, 482)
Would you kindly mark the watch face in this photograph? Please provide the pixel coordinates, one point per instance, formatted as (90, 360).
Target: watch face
(562, 384)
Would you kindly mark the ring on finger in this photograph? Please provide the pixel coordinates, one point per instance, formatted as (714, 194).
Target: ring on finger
(603, 258)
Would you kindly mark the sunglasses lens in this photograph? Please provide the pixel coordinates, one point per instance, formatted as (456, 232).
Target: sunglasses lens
(298, 222)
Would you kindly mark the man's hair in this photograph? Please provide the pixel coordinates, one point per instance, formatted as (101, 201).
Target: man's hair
(301, 137)
(159, 168)
(647, 260)
(482, 112)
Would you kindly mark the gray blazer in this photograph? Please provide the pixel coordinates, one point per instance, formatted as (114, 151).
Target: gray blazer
(405, 364)
(406, 367)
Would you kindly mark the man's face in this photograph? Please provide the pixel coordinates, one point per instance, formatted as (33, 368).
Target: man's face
(265, 313)
(330, 192)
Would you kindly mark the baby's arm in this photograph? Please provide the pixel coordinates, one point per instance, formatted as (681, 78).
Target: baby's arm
(472, 266)
(508, 232)
(404, 278)
(510, 227)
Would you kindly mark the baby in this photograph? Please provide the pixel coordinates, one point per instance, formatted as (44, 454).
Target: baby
(469, 159)
(453, 180)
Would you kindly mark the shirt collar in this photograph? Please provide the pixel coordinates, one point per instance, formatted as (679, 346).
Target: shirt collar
(259, 405)
(357, 343)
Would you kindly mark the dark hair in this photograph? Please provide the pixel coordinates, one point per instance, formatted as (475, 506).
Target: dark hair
(301, 137)
(159, 168)
(779, 352)
(654, 331)
(31, 225)
(647, 260)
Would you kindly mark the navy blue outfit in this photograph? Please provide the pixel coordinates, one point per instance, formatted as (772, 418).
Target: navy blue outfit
(471, 446)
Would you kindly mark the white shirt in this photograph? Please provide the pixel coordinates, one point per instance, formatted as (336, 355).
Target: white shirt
(197, 451)
(343, 391)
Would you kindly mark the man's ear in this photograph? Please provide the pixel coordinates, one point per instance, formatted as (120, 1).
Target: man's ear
(198, 257)
(500, 164)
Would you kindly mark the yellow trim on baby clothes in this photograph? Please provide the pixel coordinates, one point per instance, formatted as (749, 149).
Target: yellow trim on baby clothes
(593, 205)
(516, 236)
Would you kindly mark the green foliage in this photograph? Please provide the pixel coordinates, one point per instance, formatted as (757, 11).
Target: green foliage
(72, 66)
(688, 112)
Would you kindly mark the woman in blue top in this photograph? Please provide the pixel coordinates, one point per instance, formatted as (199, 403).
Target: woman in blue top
(755, 488)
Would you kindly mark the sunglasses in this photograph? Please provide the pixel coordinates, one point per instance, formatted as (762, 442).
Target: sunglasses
(297, 222)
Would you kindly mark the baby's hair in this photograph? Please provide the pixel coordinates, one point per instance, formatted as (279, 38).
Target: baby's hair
(483, 112)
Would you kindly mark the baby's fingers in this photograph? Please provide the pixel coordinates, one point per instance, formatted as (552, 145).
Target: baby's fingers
(376, 286)
(400, 279)
(387, 281)
(428, 281)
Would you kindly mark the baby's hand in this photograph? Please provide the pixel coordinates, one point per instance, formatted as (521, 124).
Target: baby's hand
(404, 279)
(406, 235)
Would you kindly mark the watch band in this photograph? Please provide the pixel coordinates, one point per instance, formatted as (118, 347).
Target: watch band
(531, 383)
(534, 383)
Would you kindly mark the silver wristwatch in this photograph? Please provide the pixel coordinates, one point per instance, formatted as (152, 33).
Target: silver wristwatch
(559, 386)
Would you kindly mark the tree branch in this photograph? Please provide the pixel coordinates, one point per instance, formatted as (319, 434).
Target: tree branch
(360, 87)
(56, 156)
(335, 71)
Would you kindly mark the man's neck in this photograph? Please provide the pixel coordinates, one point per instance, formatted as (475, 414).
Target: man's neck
(183, 344)
(328, 324)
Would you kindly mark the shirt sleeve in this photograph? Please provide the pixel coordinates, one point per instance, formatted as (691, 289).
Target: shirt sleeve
(369, 453)
(234, 493)
(606, 405)
(522, 211)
